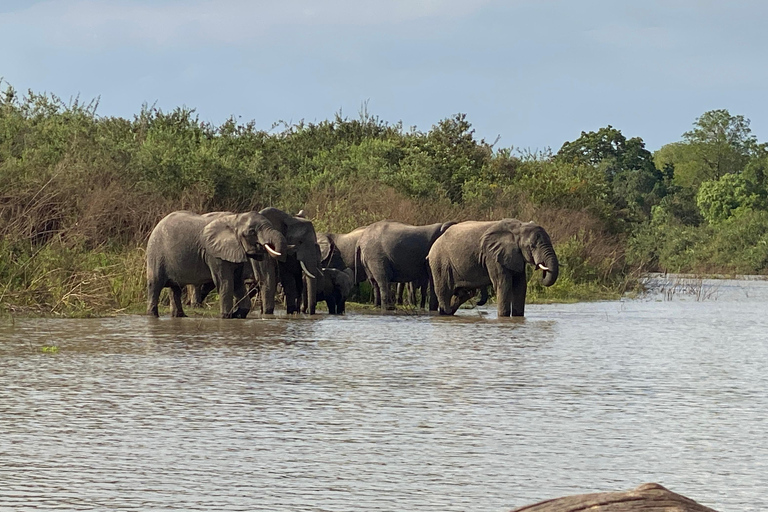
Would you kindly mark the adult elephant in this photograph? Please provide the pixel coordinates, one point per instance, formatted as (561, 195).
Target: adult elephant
(475, 254)
(209, 250)
(198, 294)
(393, 252)
(303, 260)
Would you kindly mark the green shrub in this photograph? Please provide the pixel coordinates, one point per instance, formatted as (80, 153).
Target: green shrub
(721, 199)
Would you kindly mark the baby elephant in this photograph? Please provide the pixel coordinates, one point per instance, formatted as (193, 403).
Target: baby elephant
(334, 287)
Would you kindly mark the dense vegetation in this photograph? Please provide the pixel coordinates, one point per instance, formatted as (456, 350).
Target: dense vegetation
(79, 193)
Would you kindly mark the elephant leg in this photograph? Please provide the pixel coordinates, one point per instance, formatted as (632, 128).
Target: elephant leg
(242, 299)
(441, 291)
(292, 294)
(376, 293)
(268, 287)
(330, 300)
(433, 302)
(176, 307)
(411, 287)
(338, 298)
(510, 294)
(444, 297)
(225, 284)
(199, 293)
(387, 298)
(519, 289)
(153, 297)
(400, 293)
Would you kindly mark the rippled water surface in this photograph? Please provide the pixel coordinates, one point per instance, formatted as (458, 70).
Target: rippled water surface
(382, 412)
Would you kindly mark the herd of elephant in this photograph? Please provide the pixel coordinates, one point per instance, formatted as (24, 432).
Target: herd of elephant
(449, 262)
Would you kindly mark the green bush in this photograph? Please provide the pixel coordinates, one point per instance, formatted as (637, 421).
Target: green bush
(80, 193)
(721, 199)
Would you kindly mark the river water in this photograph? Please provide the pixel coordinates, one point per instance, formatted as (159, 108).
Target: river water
(391, 412)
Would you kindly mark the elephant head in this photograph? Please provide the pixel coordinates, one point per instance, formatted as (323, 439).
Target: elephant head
(238, 237)
(301, 237)
(329, 255)
(512, 243)
(304, 259)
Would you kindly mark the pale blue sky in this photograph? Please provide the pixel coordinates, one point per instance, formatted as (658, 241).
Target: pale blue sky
(535, 73)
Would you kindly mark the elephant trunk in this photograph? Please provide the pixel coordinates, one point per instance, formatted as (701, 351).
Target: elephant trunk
(550, 267)
(275, 243)
(309, 259)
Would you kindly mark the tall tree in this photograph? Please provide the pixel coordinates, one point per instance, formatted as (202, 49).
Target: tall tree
(718, 144)
(610, 149)
(636, 184)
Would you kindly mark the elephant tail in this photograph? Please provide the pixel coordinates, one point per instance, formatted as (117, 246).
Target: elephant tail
(358, 260)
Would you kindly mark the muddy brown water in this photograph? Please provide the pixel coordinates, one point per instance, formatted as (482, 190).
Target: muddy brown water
(383, 412)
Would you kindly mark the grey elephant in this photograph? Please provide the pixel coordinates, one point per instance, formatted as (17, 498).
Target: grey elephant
(334, 288)
(197, 294)
(337, 250)
(393, 252)
(303, 260)
(209, 250)
(474, 254)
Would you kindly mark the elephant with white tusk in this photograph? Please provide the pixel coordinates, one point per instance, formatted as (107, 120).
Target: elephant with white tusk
(209, 250)
(474, 254)
(303, 259)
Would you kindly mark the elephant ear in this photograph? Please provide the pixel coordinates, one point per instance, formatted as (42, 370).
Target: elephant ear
(446, 225)
(221, 240)
(500, 243)
(326, 248)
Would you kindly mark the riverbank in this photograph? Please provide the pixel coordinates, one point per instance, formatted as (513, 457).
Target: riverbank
(69, 282)
(80, 193)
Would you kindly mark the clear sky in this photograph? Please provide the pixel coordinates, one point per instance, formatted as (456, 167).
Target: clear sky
(535, 73)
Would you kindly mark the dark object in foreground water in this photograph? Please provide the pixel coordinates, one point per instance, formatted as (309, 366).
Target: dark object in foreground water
(647, 498)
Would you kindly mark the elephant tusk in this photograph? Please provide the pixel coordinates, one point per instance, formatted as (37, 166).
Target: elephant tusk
(271, 251)
(542, 267)
(307, 272)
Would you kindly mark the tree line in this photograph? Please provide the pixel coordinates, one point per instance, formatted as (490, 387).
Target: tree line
(80, 192)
